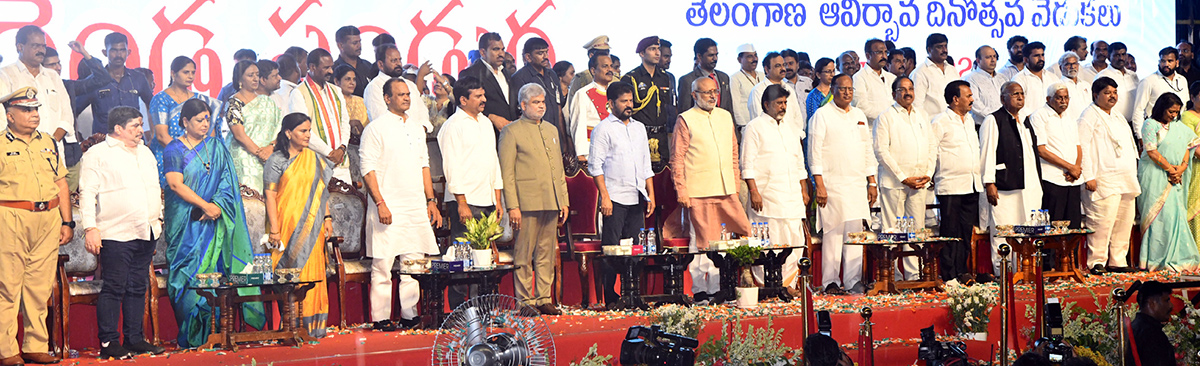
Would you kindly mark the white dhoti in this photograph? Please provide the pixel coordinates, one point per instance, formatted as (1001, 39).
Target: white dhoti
(899, 203)
(1013, 208)
(1112, 219)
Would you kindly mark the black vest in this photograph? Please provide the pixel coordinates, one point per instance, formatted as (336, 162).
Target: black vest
(1009, 152)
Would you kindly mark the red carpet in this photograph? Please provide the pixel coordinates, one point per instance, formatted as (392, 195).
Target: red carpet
(897, 320)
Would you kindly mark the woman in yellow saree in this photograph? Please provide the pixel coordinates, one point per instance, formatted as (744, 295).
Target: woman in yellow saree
(295, 184)
(1191, 118)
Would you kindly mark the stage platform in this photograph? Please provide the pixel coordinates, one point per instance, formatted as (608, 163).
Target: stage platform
(897, 320)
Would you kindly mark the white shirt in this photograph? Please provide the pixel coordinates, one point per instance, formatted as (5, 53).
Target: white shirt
(1109, 154)
(1053, 70)
(795, 111)
(1126, 87)
(958, 155)
(469, 158)
(583, 116)
(376, 106)
(500, 79)
(621, 153)
(283, 96)
(873, 91)
(840, 149)
(986, 88)
(1060, 135)
(989, 138)
(773, 158)
(1009, 70)
(1081, 96)
(929, 86)
(904, 146)
(119, 192)
(55, 111)
(1087, 74)
(394, 149)
(1148, 92)
(1035, 91)
(740, 85)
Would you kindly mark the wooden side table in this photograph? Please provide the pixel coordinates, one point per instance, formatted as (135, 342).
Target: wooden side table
(226, 299)
(433, 287)
(927, 250)
(772, 262)
(674, 266)
(1065, 243)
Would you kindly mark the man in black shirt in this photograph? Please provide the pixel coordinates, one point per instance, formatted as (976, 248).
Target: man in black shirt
(1151, 344)
(1188, 67)
(349, 42)
(537, 70)
(652, 101)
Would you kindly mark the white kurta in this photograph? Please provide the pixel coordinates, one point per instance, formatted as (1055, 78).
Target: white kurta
(740, 84)
(395, 150)
(583, 116)
(873, 91)
(841, 153)
(772, 156)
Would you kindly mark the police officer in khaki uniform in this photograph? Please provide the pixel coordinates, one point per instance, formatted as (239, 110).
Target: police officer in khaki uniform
(33, 197)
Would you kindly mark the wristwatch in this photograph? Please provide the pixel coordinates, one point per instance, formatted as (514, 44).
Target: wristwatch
(70, 224)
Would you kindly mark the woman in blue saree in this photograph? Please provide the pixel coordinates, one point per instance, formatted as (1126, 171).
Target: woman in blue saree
(165, 107)
(1168, 145)
(205, 223)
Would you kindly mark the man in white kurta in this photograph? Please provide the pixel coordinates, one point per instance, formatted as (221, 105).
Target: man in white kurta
(931, 77)
(773, 66)
(396, 163)
(1010, 191)
(391, 66)
(843, 167)
(1110, 161)
(742, 81)
(322, 102)
(1166, 80)
(985, 83)
(1034, 79)
(1078, 89)
(1127, 81)
(589, 106)
(1058, 152)
(773, 168)
(907, 155)
(873, 85)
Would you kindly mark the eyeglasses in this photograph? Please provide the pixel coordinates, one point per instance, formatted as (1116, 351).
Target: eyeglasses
(709, 92)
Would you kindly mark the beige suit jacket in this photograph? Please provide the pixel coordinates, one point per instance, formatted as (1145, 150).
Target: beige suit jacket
(531, 166)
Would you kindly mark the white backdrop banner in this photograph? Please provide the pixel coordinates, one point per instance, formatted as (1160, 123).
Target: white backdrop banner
(443, 31)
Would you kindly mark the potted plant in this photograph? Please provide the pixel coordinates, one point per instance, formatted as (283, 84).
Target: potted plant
(747, 293)
(970, 307)
(481, 233)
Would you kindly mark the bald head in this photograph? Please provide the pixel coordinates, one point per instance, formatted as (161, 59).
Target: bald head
(705, 92)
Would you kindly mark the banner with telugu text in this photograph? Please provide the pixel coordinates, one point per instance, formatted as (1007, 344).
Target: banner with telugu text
(443, 31)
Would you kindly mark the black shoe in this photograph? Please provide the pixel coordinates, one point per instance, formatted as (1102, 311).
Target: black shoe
(115, 351)
(834, 289)
(984, 278)
(701, 298)
(1120, 269)
(142, 347)
(548, 309)
(1097, 270)
(966, 279)
(408, 323)
(384, 326)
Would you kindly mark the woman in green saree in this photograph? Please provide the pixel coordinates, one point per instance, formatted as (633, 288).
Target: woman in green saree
(253, 122)
(1167, 242)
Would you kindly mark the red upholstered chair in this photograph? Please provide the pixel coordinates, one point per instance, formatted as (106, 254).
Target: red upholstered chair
(666, 203)
(579, 239)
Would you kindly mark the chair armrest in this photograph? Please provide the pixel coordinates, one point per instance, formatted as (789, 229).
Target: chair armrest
(63, 258)
(335, 243)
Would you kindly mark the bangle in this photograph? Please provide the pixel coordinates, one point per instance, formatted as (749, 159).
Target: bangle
(379, 203)
(329, 217)
(872, 184)
(274, 233)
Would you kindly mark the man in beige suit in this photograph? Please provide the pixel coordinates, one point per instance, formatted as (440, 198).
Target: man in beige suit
(535, 191)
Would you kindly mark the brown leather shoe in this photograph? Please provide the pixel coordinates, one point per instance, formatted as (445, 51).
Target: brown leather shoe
(548, 309)
(11, 361)
(40, 358)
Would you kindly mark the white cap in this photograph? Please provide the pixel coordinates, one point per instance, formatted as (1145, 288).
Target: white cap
(746, 48)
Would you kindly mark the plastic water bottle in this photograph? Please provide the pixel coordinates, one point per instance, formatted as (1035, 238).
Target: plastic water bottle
(651, 243)
(724, 233)
(1033, 217)
(641, 237)
(766, 235)
(912, 228)
(1045, 217)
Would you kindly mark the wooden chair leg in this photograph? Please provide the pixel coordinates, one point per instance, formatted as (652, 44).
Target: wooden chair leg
(341, 291)
(366, 301)
(597, 279)
(584, 286)
(557, 280)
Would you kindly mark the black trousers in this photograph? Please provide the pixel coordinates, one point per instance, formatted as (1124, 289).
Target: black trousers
(126, 273)
(458, 294)
(960, 214)
(1063, 202)
(625, 222)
